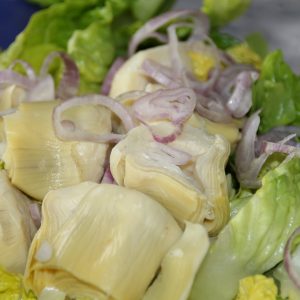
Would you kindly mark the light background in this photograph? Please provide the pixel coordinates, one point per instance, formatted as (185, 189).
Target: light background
(277, 20)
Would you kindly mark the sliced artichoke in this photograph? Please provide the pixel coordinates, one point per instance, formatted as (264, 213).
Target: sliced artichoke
(16, 226)
(195, 191)
(180, 265)
(99, 241)
(37, 161)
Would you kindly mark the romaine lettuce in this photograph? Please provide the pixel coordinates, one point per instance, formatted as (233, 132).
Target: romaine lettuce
(254, 239)
(222, 12)
(276, 93)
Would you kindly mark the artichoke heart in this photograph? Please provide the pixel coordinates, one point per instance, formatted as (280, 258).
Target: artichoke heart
(16, 226)
(196, 191)
(100, 241)
(37, 161)
(180, 265)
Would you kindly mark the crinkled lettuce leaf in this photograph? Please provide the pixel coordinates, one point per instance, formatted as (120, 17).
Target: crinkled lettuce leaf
(277, 93)
(287, 288)
(93, 32)
(222, 12)
(253, 241)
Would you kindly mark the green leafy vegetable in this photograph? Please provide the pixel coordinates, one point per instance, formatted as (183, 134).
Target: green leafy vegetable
(93, 32)
(223, 40)
(222, 12)
(277, 93)
(45, 2)
(253, 240)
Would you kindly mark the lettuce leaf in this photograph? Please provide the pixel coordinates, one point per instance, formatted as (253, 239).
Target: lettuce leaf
(93, 32)
(253, 241)
(222, 12)
(277, 93)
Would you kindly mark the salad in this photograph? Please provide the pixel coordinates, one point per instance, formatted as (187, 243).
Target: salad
(147, 155)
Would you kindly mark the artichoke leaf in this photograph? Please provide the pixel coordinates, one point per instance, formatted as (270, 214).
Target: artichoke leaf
(117, 237)
(37, 161)
(16, 226)
(180, 265)
(138, 162)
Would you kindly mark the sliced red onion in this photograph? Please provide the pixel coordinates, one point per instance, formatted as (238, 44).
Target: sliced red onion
(289, 264)
(277, 134)
(240, 101)
(160, 74)
(227, 78)
(70, 133)
(107, 176)
(11, 77)
(166, 139)
(154, 24)
(173, 155)
(212, 108)
(281, 147)
(69, 82)
(176, 105)
(117, 64)
(132, 95)
(247, 164)
(27, 67)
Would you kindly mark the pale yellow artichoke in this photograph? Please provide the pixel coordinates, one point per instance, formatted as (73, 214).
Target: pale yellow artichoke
(109, 242)
(37, 161)
(196, 191)
(16, 226)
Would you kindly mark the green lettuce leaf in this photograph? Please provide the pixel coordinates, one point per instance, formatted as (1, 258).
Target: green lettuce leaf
(223, 40)
(222, 12)
(45, 2)
(93, 32)
(253, 240)
(276, 93)
(93, 50)
(287, 287)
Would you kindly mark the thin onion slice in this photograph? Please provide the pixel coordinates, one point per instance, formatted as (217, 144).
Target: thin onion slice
(70, 132)
(288, 260)
(149, 29)
(161, 74)
(247, 164)
(26, 66)
(117, 64)
(69, 82)
(12, 77)
(240, 101)
(280, 147)
(176, 105)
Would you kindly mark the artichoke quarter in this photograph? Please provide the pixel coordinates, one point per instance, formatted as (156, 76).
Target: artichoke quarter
(16, 226)
(195, 192)
(107, 242)
(37, 161)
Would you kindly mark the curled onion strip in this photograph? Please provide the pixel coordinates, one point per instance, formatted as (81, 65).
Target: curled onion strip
(247, 164)
(117, 64)
(11, 77)
(176, 105)
(26, 66)
(282, 147)
(35, 212)
(66, 130)
(240, 101)
(212, 108)
(69, 82)
(154, 24)
(161, 74)
(288, 260)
